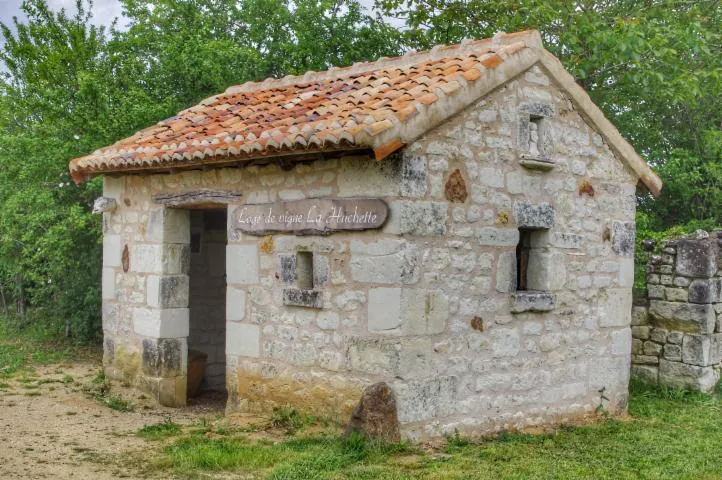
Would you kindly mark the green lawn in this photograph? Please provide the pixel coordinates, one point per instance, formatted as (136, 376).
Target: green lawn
(671, 434)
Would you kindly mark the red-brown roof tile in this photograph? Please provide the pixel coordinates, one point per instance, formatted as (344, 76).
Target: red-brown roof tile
(343, 108)
(375, 106)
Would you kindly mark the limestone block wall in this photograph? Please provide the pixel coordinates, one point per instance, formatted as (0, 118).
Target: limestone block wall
(428, 303)
(145, 291)
(207, 331)
(677, 338)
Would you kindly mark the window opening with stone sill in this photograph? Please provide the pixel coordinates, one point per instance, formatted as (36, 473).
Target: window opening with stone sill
(530, 294)
(298, 272)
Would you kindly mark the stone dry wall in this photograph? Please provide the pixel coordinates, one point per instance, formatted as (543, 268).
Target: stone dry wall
(428, 303)
(677, 338)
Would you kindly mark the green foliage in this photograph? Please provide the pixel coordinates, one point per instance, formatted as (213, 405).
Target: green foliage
(159, 431)
(70, 87)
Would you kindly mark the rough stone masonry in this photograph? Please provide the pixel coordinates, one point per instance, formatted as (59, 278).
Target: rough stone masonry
(429, 302)
(677, 338)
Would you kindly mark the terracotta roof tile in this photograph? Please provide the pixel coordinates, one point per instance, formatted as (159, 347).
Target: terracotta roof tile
(374, 106)
(342, 108)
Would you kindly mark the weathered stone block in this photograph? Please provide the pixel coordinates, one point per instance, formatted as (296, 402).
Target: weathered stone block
(111, 250)
(546, 271)
(637, 346)
(384, 309)
(615, 307)
(529, 215)
(408, 311)
(645, 373)
(243, 339)
(235, 304)
(683, 317)
(300, 297)
(160, 259)
(414, 175)
(164, 357)
(675, 294)
(491, 236)
(168, 225)
(626, 272)
(566, 240)
(623, 238)
(673, 352)
(681, 282)
(394, 268)
(167, 291)
(417, 218)
(621, 342)
(611, 373)
(697, 258)
(691, 376)
(505, 342)
(328, 320)
(655, 292)
(658, 335)
(161, 323)
(697, 350)
(705, 291)
(242, 264)
(423, 312)
(287, 268)
(641, 332)
(108, 283)
(531, 301)
(645, 359)
(639, 316)
(675, 338)
(172, 391)
(506, 272)
(426, 399)
(651, 348)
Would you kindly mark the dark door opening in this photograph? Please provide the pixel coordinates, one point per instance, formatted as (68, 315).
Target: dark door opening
(207, 303)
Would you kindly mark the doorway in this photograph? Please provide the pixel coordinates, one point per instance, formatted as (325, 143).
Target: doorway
(207, 303)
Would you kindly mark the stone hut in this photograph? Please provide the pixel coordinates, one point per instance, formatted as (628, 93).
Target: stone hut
(457, 224)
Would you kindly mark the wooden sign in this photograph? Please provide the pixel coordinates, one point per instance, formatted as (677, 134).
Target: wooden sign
(320, 216)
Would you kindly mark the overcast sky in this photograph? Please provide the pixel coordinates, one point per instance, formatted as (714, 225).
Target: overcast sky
(104, 11)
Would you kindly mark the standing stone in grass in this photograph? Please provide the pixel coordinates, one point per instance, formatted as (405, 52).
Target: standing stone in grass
(375, 415)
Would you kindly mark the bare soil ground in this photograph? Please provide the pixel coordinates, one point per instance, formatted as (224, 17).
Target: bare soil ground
(50, 428)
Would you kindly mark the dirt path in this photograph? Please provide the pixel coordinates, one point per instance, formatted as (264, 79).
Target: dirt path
(49, 428)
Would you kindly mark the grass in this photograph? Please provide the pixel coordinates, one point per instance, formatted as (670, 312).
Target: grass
(671, 434)
(21, 350)
(99, 389)
(160, 431)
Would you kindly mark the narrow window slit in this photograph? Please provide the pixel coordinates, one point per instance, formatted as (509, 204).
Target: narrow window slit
(304, 270)
(523, 250)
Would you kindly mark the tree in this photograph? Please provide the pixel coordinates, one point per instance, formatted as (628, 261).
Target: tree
(70, 87)
(653, 66)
